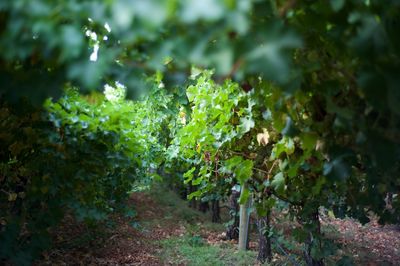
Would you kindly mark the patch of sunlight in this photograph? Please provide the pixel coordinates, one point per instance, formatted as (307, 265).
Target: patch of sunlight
(115, 93)
(94, 55)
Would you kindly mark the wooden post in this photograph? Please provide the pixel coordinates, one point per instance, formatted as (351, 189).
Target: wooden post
(244, 223)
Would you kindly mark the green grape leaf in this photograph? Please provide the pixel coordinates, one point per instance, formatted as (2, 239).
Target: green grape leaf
(278, 182)
(244, 195)
(308, 141)
(246, 123)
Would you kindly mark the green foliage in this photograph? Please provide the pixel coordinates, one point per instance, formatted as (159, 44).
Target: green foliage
(220, 114)
(357, 124)
(88, 43)
(242, 169)
(325, 89)
(81, 155)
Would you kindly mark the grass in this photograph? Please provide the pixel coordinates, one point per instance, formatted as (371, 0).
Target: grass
(177, 235)
(176, 208)
(192, 250)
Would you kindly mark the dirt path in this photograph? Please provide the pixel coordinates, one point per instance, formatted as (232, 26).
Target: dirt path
(371, 244)
(165, 231)
(136, 246)
(121, 244)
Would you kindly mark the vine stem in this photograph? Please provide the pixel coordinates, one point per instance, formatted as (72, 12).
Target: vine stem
(2, 190)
